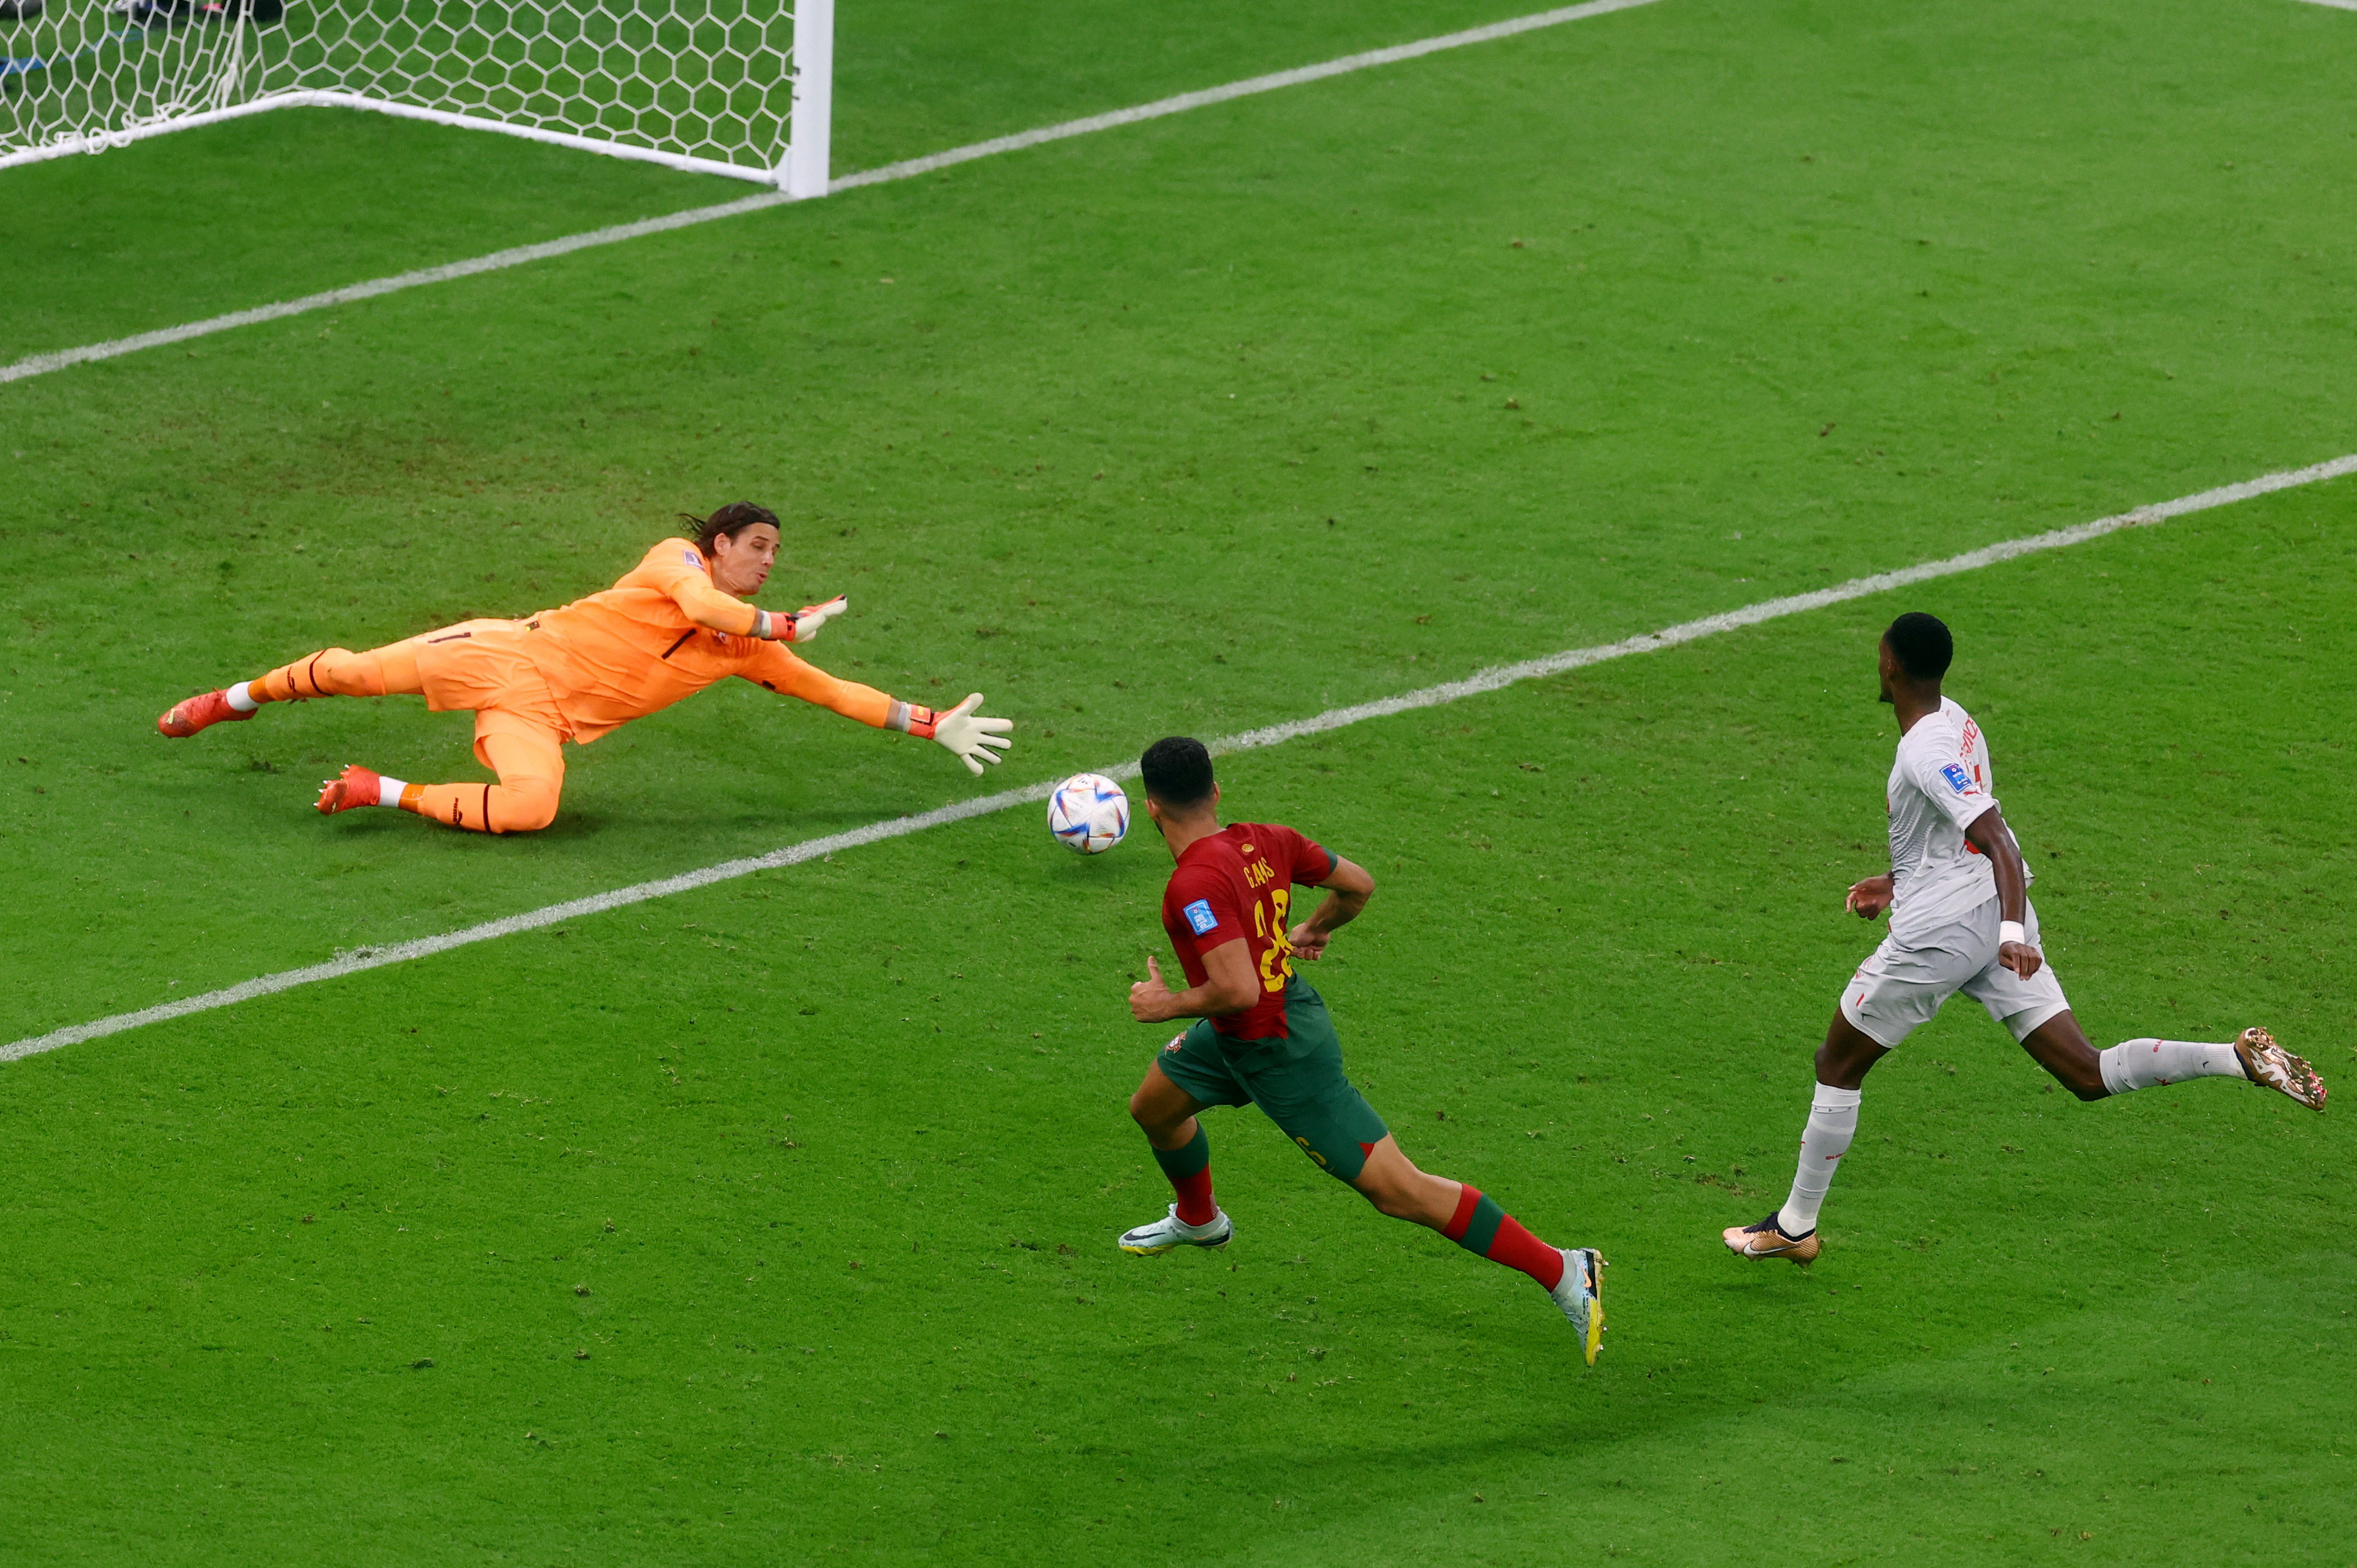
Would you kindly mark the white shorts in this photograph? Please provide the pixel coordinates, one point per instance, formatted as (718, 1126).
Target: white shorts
(1902, 983)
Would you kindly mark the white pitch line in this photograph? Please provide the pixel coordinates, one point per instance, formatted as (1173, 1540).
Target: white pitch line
(498, 260)
(2336, 5)
(1233, 89)
(1483, 681)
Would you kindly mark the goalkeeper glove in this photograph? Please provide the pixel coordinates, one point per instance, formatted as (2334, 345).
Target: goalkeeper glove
(811, 619)
(799, 626)
(971, 738)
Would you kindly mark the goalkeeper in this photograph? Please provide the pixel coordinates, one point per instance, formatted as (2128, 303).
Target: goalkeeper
(678, 622)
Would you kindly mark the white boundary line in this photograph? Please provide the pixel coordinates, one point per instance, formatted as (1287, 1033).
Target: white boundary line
(1489, 680)
(2336, 5)
(1233, 89)
(498, 260)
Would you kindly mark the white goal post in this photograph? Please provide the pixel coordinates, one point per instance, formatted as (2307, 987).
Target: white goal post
(729, 87)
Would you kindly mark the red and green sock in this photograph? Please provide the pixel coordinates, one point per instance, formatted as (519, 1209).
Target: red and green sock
(1189, 1167)
(1486, 1230)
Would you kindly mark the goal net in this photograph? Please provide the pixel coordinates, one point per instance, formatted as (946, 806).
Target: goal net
(730, 87)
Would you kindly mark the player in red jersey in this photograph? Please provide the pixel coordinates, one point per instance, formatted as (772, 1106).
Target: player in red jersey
(1263, 1037)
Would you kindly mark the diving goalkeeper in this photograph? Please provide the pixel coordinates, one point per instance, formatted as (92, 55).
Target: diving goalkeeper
(677, 623)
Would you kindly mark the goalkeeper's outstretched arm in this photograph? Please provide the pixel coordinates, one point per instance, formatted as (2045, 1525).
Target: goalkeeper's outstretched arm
(972, 738)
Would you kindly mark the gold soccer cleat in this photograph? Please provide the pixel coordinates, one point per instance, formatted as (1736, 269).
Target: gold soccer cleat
(1766, 1241)
(2268, 1064)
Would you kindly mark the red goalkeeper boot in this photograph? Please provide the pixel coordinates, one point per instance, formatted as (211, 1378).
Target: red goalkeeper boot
(355, 785)
(195, 713)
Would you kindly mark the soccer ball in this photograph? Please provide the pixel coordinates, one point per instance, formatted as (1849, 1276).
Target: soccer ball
(1088, 814)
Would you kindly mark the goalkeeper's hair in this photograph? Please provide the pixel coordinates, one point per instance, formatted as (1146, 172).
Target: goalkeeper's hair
(1921, 645)
(1178, 772)
(730, 520)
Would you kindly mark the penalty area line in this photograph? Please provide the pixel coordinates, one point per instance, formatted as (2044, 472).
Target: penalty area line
(521, 255)
(1490, 680)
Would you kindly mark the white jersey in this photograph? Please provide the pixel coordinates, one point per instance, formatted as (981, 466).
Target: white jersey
(1941, 781)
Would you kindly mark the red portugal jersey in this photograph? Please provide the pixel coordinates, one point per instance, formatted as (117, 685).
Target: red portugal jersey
(1239, 883)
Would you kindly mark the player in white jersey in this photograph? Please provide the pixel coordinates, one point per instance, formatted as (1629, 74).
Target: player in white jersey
(1958, 893)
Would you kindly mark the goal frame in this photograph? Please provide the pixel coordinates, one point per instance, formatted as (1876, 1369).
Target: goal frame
(801, 174)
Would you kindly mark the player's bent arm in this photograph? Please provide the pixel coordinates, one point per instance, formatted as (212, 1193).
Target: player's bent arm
(1869, 898)
(1230, 985)
(1348, 888)
(1988, 834)
(687, 587)
(679, 570)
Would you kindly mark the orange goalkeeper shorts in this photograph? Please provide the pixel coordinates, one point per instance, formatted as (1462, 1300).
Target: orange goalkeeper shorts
(482, 667)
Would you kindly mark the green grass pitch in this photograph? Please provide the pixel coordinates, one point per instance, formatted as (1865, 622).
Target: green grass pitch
(772, 1223)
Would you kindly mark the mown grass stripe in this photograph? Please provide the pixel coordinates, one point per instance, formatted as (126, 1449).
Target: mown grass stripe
(1484, 681)
(521, 255)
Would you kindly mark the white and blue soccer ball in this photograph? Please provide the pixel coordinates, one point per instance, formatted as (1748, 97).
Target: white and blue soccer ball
(1088, 814)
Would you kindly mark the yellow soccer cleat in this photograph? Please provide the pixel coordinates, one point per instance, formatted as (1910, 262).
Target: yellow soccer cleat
(1580, 1293)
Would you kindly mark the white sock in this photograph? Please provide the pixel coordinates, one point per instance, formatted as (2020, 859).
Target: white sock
(1833, 1123)
(388, 790)
(240, 699)
(2148, 1063)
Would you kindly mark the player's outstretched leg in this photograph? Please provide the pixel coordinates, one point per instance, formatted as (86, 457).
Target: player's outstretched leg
(2061, 1049)
(330, 672)
(388, 671)
(1166, 1114)
(1571, 1277)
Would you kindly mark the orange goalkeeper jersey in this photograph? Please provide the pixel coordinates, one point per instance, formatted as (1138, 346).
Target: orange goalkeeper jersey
(663, 633)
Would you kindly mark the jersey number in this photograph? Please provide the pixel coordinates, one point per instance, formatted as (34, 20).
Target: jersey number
(1268, 923)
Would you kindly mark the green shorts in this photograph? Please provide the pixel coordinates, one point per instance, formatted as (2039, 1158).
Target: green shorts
(1297, 1080)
